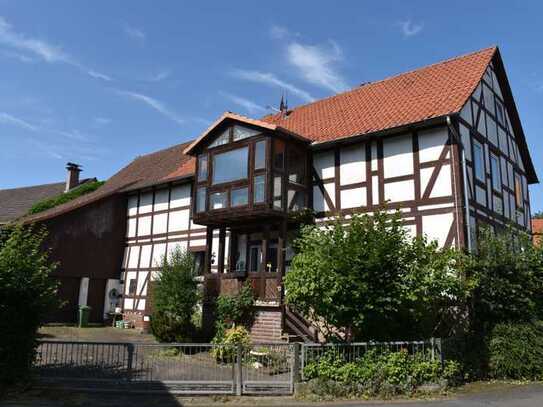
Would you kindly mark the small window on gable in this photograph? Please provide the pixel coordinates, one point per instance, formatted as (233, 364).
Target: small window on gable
(224, 138)
(478, 161)
(495, 168)
(202, 167)
(241, 132)
(499, 112)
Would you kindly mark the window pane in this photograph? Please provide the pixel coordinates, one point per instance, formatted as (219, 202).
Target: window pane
(296, 164)
(478, 161)
(277, 184)
(217, 200)
(222, 139)
(259, 188)
(241, 132)
(239, 197)
(201, 199)
(230, 166)
(260, 155)
(295, 200)
(495, 168)
(202, 167)
(278, 154)
(499, 112)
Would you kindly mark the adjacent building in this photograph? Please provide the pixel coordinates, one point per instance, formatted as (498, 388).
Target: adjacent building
(442, 144)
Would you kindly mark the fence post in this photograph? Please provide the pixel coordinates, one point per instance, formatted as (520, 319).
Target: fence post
(130, 351)
(440, 352)
(433, 347)
(297, 348)
(239, 366)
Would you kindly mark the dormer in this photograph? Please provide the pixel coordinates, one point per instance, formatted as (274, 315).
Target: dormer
(248, 170)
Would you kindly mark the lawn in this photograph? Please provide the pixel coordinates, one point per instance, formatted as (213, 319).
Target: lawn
(94, 333)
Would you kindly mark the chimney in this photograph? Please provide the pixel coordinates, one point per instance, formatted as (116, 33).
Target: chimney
(72, 179)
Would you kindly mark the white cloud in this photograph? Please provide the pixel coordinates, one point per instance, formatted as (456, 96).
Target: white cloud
(41, 49)
(101, 121)
(134, 33)
(278, 32)
(160, 75)
(250, 106)
(17, 122)
(409, 28)
(271, 80)
(317, 64)
(154, 104)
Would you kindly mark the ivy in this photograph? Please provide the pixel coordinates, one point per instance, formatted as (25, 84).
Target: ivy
(81, 190)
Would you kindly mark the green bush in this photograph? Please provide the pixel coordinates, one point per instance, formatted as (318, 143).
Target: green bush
(228, 341)
(27, 294)
(516, 351)
(175, 297)
(83, 189)
(376, 374)
(236, 309)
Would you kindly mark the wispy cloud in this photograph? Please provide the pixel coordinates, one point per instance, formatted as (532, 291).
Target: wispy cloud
(7, 118)
(160, 76)
(133, 32)
(279, 32)
(250, 106)
(101, 121)
(409, 29)
(155, 104)
(18, 56)
(271, 80)
(41, 49)
(317, 64)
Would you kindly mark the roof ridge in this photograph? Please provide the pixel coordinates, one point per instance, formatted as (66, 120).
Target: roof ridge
(35, 186)
(448, 60)
(163, 150)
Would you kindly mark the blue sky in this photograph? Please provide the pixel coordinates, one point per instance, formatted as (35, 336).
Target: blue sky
(102, 82)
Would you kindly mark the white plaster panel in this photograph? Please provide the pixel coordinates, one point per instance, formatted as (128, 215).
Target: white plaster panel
(141, 287)
(141, 304)
(173, 246)
(132, 205)
(128, 304)
(353, 198)
(502, 138)
(125, 256)
(374, 160)
(131, 230)
(411, 230)
(161, 199)
(145, 258)
(477, 92)
(492, 130)
(179, 220)
(144, 226)
(481, 126)
(180, 196)
(375, 189)
(352, 164)
(318, 199)
(324, 164)
(134, 257)
(160, 223)
(443, 184)
(400, 191)
(398, 156)
(431, 143)
(466, 141)
(330, 188)
(465, 113)
(496, 85)
(159, 250)
(197, 242)
(436, 227)
(146, 202)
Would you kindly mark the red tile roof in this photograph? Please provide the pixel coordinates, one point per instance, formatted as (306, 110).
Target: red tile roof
(537, 231)
(433, 91)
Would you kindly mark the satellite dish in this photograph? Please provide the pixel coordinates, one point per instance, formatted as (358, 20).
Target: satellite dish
(113, 294)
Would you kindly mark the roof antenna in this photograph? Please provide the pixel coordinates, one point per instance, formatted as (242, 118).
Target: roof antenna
(283, 106)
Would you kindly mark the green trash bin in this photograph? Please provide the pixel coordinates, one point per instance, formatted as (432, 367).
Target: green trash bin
(84, 312)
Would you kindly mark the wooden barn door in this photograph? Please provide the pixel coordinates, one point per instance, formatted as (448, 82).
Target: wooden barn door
(96, 299)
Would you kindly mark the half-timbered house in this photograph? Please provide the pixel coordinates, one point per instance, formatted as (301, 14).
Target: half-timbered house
(442, 144)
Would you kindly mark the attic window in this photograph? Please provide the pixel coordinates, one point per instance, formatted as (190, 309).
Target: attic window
(222, 139)
(243, 132)
(499, 112)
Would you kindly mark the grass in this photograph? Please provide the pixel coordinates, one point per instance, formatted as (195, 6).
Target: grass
(98, 333)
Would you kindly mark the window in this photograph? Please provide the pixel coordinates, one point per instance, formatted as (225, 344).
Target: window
(224, 138)
(239, 197)
(478, 160)
(295, 200)
(241, 132)
(260, 155)
(518, 191)
(277, 192)
(199, 263)
(218, 200)
(259, 189)
(201, 199)
(132, 286)
(255, 254)
(278, 154)
(231, 165)
(296, 162)
(202, 167)
(495, 168)
(499, 112)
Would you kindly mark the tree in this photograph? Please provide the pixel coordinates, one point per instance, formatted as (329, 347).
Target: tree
(175, 296)
(27, 294)
(538, 215)
(366, 278)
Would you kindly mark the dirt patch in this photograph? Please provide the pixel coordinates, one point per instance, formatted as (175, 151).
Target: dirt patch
(93, 333)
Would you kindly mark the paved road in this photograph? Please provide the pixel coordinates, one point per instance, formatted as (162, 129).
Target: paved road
(521, 396)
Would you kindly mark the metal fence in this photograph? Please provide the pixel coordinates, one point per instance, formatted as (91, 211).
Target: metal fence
(175, 368)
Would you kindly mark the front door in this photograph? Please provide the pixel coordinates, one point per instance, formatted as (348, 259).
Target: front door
(255, 257)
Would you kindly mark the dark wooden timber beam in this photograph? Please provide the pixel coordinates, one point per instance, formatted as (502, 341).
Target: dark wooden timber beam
(222, 238)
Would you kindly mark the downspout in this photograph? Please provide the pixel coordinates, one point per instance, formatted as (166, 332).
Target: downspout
(465, 175)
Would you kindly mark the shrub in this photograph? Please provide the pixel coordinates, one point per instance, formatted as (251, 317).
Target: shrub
(375, 374)
(27, 294)
(228, 341)
(516, 351)
(83, 189)
(236, 309)
(175, 296)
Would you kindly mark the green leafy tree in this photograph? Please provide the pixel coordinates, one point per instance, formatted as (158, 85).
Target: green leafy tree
(27, 294)
(175, 297)
(538, 215)
(368, 279)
